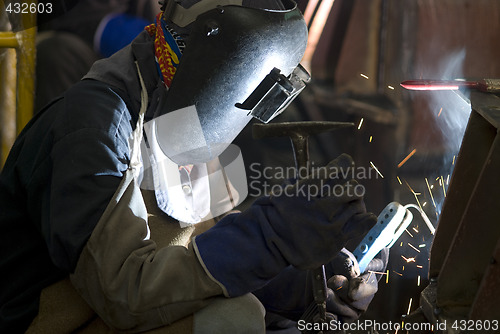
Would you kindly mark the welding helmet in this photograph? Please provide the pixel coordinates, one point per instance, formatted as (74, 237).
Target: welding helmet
(239, 62)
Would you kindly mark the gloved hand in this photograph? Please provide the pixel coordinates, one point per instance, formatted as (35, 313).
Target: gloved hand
(317, 216)
(304, 225)
(348, 294)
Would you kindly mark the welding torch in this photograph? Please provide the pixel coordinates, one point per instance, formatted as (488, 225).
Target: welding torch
(391, 223)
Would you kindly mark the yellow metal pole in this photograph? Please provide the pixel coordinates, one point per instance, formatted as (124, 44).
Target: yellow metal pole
(23, 42)
(26, 55)
(8, 39)
(8, 74)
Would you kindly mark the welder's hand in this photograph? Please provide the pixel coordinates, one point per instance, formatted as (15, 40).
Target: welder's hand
(304, 226)
(316, 217)
(349, 293)
(290, 293)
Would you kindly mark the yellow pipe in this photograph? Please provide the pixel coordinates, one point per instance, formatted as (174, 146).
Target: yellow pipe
(26, 78)
(26, 57)
(24, 43)
(8, 40)
(8, 73)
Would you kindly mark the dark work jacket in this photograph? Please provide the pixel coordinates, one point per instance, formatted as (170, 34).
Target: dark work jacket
(60, 175)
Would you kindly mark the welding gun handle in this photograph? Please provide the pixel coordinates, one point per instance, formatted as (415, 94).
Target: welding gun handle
(391, 223)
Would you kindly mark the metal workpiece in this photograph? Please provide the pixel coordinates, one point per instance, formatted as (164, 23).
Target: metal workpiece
(467, 170)
(485, 306)
(492, 85)
(466, 246)
(442, 322)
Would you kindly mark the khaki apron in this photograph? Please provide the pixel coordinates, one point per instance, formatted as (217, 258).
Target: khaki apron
(63, 310)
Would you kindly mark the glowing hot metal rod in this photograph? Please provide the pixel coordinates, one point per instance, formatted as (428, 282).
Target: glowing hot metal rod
(484, 85)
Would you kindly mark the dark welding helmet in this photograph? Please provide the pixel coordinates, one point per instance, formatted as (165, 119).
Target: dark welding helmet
(239, 62)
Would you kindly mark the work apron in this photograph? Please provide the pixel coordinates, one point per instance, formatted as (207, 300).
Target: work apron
(63, 310)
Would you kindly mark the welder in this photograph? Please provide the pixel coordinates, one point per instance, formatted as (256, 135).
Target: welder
(153, 120)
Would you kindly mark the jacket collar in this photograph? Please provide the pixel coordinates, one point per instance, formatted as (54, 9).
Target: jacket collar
(119, 72)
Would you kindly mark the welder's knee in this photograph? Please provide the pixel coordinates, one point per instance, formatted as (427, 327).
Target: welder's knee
(244, 314)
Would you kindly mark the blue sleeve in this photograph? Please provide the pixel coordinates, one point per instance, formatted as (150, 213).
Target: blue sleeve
(88, 157)
(241, 251)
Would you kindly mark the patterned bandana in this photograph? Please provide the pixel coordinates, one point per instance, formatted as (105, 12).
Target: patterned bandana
(168, 48)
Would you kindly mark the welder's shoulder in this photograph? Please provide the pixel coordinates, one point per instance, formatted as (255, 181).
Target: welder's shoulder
(93, 105)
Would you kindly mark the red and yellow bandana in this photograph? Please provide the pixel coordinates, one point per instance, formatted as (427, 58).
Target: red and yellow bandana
(168, 48)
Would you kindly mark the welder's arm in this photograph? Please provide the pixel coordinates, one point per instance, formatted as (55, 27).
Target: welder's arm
(243, 252)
